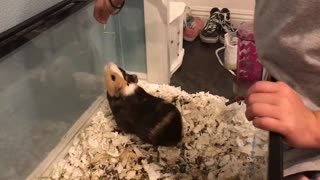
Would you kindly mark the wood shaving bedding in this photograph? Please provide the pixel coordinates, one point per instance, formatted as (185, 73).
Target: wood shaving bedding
(217, 144)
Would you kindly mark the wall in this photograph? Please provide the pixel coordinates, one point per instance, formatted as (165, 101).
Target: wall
(240, 10)
(13, 12)
(232, 4)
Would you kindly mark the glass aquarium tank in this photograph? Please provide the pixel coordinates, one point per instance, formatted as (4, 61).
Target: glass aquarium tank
(55, 121)
(50, 81)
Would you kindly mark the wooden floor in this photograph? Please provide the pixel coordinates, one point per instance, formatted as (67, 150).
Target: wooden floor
(201, 71)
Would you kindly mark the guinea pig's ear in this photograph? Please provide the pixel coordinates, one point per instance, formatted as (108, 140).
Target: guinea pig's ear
(135, 78)
(132, 78)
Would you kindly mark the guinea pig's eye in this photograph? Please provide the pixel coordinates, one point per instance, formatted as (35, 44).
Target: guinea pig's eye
(113, 77)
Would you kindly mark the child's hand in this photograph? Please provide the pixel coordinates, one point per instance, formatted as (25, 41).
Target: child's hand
(278, 108)
(101, 12)
(103, 9)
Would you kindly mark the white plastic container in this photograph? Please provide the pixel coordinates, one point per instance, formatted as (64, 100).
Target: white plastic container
(230, 53)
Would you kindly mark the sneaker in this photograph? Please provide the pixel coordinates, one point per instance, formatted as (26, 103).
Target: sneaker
(192, 28)
(210, 32)
(226, 25)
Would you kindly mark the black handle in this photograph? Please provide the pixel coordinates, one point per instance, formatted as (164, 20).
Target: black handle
(275, 161)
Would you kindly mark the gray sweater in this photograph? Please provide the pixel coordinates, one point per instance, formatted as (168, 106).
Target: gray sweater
(288, 43)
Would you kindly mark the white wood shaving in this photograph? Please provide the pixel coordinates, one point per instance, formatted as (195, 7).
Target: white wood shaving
(216, 145)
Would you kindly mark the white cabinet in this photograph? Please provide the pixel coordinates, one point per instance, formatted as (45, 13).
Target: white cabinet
(164, 38)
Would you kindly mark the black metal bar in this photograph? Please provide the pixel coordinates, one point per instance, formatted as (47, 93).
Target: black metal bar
(14, 30)
(275, 160)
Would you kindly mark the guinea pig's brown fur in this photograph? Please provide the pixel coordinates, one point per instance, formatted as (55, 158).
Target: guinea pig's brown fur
(150, 118)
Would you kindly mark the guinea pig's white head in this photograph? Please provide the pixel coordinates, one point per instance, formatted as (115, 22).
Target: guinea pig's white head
(118, 81)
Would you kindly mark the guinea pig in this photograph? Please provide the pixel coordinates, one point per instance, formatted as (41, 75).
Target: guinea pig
(152, 119)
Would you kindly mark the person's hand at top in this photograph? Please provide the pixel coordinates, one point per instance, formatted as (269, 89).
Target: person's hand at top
(278, 108)
(104, 8)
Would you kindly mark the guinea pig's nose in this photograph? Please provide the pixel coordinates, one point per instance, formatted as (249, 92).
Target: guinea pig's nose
(111, 64)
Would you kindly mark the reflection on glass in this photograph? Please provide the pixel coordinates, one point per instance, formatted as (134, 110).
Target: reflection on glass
(47, 84)
(130, 36)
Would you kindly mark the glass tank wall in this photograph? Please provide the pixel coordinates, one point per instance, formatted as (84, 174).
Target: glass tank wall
(47, 84)
(127, 31)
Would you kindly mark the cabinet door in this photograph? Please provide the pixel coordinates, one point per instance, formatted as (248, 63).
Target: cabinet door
(180, 34)
(174, 42)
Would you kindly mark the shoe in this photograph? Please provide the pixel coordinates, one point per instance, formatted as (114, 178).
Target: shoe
(211, 31)
(192, 27)
(225, 24)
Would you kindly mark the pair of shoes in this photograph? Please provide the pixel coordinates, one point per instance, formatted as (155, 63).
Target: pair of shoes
(217, 26)
(192, 26)
(226, 25)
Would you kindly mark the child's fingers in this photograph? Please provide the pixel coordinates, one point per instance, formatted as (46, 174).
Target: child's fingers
(269, 124)
(262, 110)
(263, 87)
(267, 98)
(100, 12)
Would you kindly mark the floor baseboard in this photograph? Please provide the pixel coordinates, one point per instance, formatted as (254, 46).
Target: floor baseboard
(237, 15)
